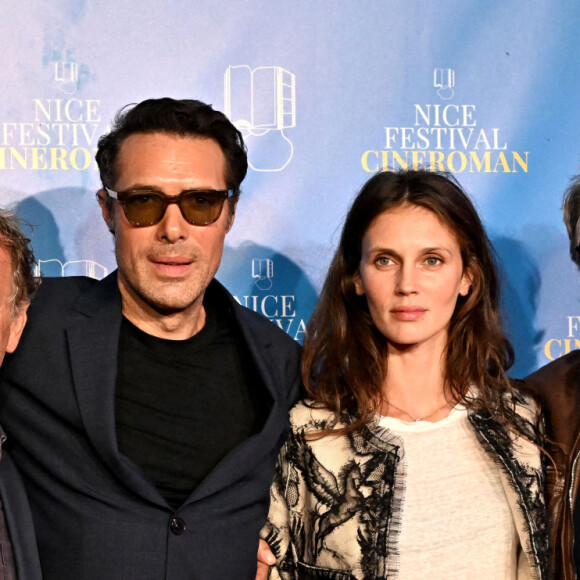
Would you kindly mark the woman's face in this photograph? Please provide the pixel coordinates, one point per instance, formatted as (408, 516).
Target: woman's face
(411, 273)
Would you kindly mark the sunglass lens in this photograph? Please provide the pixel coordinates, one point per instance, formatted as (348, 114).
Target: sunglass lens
(202, 208)
(144, 209)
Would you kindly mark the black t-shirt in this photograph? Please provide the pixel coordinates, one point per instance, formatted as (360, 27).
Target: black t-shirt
(181, 405)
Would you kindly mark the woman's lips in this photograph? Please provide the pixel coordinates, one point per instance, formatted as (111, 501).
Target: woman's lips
(409, 313)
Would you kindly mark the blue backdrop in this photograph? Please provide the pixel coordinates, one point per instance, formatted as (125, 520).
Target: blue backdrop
(326, 93)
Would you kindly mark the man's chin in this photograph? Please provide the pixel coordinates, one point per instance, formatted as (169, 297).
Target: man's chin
(168, 306)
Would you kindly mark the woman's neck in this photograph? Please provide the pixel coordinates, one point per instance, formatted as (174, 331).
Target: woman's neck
(415, 385)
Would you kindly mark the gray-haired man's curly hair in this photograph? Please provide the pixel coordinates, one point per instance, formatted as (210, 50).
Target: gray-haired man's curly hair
(24, 283)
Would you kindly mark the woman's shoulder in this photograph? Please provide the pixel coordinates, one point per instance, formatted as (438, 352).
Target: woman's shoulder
(524, 404)
(525, 413)
(518, 401)
(518, 408)
(310, 415)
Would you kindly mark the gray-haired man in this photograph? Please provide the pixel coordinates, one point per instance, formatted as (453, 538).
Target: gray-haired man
(17, 285)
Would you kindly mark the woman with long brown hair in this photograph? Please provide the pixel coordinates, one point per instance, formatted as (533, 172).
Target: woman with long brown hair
(413, 456)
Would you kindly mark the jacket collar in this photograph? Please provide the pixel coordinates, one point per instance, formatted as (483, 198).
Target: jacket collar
(93, 330)
(522, 479)
(521, 474)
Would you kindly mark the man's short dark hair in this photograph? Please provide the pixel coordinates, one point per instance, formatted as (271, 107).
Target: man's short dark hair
(175, 117)
(571, 216)
(24, 283)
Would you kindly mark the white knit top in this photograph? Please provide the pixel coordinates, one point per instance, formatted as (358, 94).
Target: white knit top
(456, 521)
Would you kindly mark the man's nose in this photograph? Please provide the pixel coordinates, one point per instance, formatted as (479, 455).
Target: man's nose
(173, 226)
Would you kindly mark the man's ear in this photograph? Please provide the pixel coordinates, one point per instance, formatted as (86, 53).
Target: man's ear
(104, 202)
(232, 216)
(16, 328)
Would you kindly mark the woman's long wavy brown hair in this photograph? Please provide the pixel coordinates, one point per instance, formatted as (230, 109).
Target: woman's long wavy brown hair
(344, 363)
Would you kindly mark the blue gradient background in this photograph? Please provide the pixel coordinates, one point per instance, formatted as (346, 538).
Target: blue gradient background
(359, 68)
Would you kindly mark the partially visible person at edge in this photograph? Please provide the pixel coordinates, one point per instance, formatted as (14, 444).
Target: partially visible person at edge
(414, 456)
(558, 386)
(146, 410)
(19, 556)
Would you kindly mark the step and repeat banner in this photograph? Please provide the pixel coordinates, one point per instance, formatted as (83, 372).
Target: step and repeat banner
(326, 93)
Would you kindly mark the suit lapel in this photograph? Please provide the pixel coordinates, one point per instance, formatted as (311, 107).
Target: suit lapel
(246, 456)
(93, 338)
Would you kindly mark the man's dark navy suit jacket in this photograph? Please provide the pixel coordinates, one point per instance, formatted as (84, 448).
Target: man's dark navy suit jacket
(97, 516)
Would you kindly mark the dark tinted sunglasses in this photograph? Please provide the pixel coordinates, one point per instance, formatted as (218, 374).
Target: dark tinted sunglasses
(143, 207)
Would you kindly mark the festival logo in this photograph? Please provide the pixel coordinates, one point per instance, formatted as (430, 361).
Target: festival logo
(557, 347)
(273, 286)
(261, 102)
(444, 136)
(61, 135)
(56, 134)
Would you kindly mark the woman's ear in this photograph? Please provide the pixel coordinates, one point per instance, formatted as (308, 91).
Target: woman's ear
(466, 282)
(358, 284)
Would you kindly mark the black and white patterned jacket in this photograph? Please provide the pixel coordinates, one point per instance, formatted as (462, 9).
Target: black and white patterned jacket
(336, 502)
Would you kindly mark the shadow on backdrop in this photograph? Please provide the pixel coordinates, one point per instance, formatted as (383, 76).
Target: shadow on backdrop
(520, 287)
(68, 234)
(45, 235)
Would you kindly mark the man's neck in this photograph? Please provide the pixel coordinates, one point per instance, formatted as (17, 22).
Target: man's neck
(179, 325)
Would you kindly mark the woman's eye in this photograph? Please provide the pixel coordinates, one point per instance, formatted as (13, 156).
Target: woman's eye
(433, 261)
(383, 261)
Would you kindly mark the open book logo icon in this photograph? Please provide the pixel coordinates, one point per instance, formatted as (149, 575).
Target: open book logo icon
(444, 82)
(55, 268)
(66, 74)
(263, 272)
(261, 102)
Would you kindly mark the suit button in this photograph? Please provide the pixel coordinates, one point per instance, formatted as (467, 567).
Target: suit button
(177, 526)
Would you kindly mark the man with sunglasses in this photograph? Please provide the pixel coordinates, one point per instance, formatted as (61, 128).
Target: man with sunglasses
(558, 386)
(149, 406)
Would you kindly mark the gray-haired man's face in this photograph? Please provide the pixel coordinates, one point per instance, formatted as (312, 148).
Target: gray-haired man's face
(10, 326)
